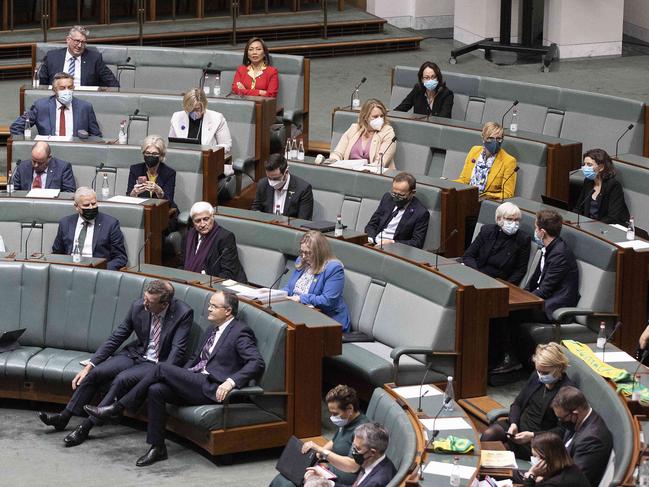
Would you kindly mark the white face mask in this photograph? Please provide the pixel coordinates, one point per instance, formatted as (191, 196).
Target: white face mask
(510, 227)
(377, 123)
(65, 97)
(534, 460)
(339, 421)
(277, 184)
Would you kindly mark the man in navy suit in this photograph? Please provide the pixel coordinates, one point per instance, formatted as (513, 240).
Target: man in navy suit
(44, 171)
(228, 357)
(400, 216)
(85, 65)
(96, 234)
(61, 114)
(161, 324)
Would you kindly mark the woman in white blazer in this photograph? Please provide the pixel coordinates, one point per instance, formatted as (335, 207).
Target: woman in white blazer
(196, 120)
(370, 138)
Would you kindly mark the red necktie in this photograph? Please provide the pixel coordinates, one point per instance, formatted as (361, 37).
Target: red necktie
(38, 182)
(62, 121)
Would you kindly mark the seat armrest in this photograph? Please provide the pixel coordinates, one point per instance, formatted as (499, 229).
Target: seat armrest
(397, 352)
(566, 315)
(495, 414)
(244, 392)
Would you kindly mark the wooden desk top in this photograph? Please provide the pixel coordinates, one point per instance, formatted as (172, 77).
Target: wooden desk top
(519, 298)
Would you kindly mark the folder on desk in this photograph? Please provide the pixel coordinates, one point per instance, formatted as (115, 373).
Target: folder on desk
(293, 463)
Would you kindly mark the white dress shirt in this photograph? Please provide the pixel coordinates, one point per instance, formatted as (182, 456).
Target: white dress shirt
(68, 118)
(279, 198)
(218, 335)
(369, 469)
(77, 67)
(389, 231)
(151, 355)
(86, 251)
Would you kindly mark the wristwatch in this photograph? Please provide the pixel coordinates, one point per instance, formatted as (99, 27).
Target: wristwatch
(324, 455)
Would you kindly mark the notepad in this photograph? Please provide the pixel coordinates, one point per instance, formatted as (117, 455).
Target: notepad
(43, 193)
(634, 244)
(498, 459)
(409, 392)
(615, 357)
(445, 469)
(443, 424)
(126, 199)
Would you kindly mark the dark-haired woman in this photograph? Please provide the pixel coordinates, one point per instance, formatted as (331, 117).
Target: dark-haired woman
(429, 96)
(256, 77)
(551, 464)
(602, 196)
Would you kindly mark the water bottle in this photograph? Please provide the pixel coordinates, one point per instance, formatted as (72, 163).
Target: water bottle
(635, 391)
(630, 231)
(300, 151)
(277, 210)
(2, 245)
(513, 126)
(206, 85)
(122, 137)
(105, 187)
(217, 85)
(28, 127)
(448, 393)
(601, 336)
(35, 81)
(338, 231)
(287, 149)
(76, 253)
(10, 184)
(454, 480)
(293, 149)
(356, 100)
(643, 474)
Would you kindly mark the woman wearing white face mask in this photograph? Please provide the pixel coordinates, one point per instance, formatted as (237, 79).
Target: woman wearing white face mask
(429, 96)
(551, 464)
(530, 413)
(501, 250)
(198, 123)
(370, 139)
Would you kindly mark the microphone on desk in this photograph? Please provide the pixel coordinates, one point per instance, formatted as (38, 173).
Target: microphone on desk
(120, 68)
(435, 432)
(579, 207)
(394, 139)
(608, 338)
(94, 180)
(218, 259)
(502, 194)
(442, 247)
(502, 121)
(139, 253)
(617, 143)
(270, 289)
(28, 235)
(351, 98)
(421, 386)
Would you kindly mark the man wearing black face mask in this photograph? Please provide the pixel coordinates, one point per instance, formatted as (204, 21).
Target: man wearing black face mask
(400, 216)
(152, 178)
(96, 234)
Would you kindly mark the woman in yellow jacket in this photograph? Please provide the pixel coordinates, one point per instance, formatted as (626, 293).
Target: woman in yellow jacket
(370, 138)
(489, 167)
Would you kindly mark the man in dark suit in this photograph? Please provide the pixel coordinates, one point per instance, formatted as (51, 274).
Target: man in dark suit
(44, 171)
(209, 248)
(368, 458)
(228, 357)
(283, 192)
(400, 216)
(161, 325)
(61, 114)
(96, 234)
(86, 66)
(587, 438)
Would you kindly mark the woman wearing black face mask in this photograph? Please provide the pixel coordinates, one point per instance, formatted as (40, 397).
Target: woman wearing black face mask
(152, 178)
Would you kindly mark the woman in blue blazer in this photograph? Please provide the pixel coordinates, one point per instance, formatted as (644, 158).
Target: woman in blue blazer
(319, 278)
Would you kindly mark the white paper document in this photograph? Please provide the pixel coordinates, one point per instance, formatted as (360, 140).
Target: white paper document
(240, 288)
(126, 199)
(54, 138)
(409, 392)
(634, 244)
(350, 163)
(618, 226)
(615, 357)
(261, 294)
(43, 193)
(445, 469)
(229, 282)
(443, 424)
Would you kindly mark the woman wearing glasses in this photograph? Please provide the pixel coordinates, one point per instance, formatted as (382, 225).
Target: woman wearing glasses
(319, 278)
(489, 167)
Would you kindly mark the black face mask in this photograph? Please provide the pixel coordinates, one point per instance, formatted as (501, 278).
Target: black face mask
(89, 213)
(568, 426)
(151, 161)
(358, 457)
(399, 201)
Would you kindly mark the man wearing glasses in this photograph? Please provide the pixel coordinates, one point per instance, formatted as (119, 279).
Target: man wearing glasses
(86, 66)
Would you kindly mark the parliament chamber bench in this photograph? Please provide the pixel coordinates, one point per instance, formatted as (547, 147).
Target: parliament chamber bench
(594, 119)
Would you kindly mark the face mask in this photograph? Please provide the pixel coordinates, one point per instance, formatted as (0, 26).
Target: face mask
(358, 457)
(194, 115)
(89, 213)
(492, 147)
(399, 201)
(377, 123)
(431, 84)
(510, 227)
(538, 240)
(65, 97)
(277, 183)
(534, 460)
(338, 421)
(547, 378)
(151, 161)
(589, 172)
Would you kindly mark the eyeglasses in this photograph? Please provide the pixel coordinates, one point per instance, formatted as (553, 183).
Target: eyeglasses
(496, 139)
(151, 153)
(428, 78)
(80, 42)
(213, 306)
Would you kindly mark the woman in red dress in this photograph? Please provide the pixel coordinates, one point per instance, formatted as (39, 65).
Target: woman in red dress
(256, 77)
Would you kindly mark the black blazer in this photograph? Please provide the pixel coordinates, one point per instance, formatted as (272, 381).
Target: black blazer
(612, 207)
(380, 475)
(166, 180)
(235, 356)
(229, 266)
(94, 71)
(299, 200)
(508, 262)
(559, 285)
(416, 99)
(411, 229)
(591, 447)
(570, 476)
(174, 334)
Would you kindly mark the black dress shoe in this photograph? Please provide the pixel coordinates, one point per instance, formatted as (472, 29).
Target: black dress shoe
(55, 420)
(106, 413)
(155, 454)
(78, 436)
(508, 364)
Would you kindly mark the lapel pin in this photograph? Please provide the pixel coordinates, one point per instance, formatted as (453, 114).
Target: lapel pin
(182, 127)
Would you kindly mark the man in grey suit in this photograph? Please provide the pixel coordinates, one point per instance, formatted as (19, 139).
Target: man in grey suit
(161, 325)
(44, 171)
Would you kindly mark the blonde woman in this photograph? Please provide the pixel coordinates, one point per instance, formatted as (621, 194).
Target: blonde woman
(489, 167)
(319, 278)
(370, 138)
(152, 178)
(197, 122)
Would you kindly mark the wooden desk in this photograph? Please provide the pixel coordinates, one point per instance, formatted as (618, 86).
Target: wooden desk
(519, 298)
(91, 262)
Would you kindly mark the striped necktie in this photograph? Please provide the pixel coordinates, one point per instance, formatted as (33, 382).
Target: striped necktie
(71, 66)
(205, 353)
(156, 327)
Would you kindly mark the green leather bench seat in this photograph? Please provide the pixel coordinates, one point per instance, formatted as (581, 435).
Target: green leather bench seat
(635, 181)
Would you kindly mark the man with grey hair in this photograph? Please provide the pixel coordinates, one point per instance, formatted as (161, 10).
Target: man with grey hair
(368, 459)
(161, 324)
(86, 66)
(95, 234)
(44, 171)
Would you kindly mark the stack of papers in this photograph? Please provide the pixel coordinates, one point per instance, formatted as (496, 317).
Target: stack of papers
(43, 193)
(261, 294)
(498, 459)
(410, 392)
(610, 357)
(126, 199)
(445, 469)
(350, 163)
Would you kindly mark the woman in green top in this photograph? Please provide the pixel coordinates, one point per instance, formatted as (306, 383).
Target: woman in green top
(342, 403)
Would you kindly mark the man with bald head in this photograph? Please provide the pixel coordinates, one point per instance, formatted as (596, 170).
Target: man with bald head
(96, 234)
(44, 171)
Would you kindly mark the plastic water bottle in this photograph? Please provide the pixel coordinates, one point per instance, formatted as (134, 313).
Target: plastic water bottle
(455, 479)
(630, 231)
(76, 253)
(449, 393)
(643, 474)
(635, 392)
(217, 85)
(2, 245)
(513, 126)
(105, 187)
(10, 184)
(601, 336)
(338, 231)
(293, 154)
(35, 81)
(206, 84)
(277, 210)
(287, 149)
(300, 151)
(356, 100)
(122, 137)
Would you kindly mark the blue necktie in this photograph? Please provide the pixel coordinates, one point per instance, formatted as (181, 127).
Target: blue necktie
(71, 66)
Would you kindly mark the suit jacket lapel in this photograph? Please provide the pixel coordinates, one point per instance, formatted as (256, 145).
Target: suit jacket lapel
(208, 129)
(222, 339)
(290, 193)
(96, 231)
(50, 174)
(183, 126)
(270, 198)
(52, 116)
(75, 117)
(167, 324)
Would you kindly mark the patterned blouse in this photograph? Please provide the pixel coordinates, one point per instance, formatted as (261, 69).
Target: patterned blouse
(481, 171)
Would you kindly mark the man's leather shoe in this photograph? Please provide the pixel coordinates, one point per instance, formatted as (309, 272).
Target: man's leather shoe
(155, 454)
(106, 413)
(53, 420)
(78, 436)
(508, 364)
